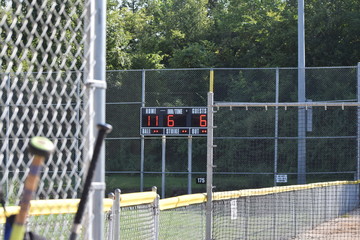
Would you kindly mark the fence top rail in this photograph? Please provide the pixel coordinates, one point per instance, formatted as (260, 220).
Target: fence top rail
(343, 104)
(214, 69)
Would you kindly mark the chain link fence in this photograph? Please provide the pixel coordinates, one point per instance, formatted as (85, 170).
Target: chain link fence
(255, 145)
(46, 57)
(287, 212)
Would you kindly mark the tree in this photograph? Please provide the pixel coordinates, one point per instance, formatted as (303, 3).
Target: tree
(247, 32)
(332, 32)
(117, 39)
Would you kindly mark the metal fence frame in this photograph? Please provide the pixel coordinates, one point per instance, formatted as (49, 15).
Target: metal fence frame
(53, 69)
(276, 104)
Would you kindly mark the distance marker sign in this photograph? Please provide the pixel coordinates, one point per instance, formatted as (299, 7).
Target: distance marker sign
(173, 121)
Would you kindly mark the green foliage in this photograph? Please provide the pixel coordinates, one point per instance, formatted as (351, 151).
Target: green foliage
(229, 33)
(196, 55)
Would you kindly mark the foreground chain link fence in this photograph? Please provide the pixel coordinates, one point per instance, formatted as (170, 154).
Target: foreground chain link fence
(47, 70)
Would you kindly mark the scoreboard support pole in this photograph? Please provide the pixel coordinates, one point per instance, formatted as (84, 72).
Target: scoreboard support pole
(189, 163)
(163, 162)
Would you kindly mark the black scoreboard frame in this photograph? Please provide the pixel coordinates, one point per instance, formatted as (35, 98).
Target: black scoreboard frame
(173, 121)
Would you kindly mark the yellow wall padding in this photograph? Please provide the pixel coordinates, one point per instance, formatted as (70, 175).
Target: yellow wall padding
(182, 201)
(69, 206)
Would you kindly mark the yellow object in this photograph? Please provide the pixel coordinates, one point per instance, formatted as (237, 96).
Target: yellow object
(17, 232)
(211, 88)
(182, 201)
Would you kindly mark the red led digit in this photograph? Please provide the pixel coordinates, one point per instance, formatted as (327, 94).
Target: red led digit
(170, 121)
(203, 120)
(151, 120)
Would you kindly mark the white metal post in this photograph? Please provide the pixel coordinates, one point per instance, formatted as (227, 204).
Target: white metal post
(7, 134)
(142, 148)
(163, 162)
(99, 106)
(89, 128)
(358, 124)
(276, 126)
(156, 214)
(189, 163)
(116, 216)
(301, 95)
(110, 218)
(209, 169)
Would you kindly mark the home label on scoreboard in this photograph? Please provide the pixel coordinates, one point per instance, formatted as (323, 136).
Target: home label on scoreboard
(173, 121)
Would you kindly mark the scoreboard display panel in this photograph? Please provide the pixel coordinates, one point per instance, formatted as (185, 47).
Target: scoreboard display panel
(173, 121)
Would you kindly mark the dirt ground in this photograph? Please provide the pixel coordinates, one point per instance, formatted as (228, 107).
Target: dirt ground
(346, 227)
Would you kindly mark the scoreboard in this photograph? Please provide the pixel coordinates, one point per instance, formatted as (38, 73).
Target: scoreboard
(173, 121)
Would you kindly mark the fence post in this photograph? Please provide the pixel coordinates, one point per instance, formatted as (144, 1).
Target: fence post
(189, 164)
(116, 215)
(276, 126)
(142, 157)
(209, 169)
(163, 168)
(301, 95)
(99, 66)
(7, 134)
(358, 124)
(156, 214)
(109, 217)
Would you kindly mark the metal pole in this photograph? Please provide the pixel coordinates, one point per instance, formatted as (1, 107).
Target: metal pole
(209, 168)
(163, 162)
(189, 163)
(7, 133)
(358, 124)
(142, 150)
(116, 216)
(301, 95)
(89, 128)
(156, 214)
(276, 126)
(99, 106)
(110, 218)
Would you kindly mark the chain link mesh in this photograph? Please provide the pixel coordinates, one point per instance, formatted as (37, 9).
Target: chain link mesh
(183, 222)
(42, 92)
(284, 215)
(137, 222)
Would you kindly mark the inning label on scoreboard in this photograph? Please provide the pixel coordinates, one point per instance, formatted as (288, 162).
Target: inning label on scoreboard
(173, 121)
